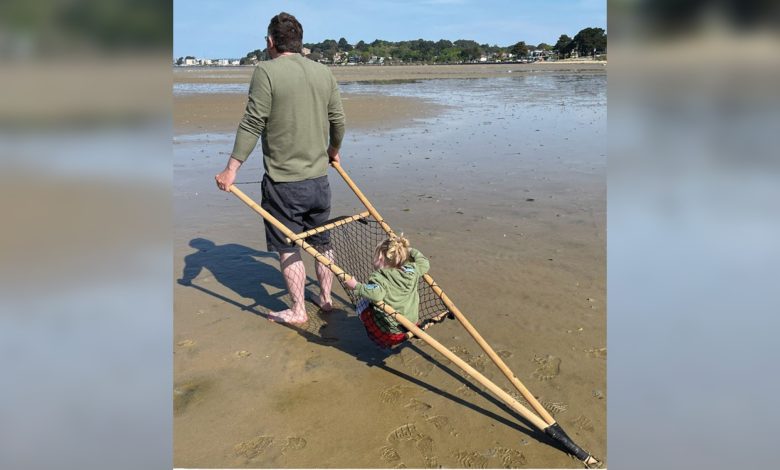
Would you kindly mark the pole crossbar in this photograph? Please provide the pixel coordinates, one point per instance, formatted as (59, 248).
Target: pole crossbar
(546, 423)
(331, 225)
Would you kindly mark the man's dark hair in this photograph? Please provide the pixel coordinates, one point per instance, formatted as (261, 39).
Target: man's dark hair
(287, 33)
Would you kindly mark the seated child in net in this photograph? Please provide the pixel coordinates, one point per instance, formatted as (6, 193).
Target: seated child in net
(398, 272)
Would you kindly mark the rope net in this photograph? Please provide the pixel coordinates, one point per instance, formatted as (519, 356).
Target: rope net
(353, 250)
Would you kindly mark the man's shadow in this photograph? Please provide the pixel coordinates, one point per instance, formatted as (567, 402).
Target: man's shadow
(237, 268)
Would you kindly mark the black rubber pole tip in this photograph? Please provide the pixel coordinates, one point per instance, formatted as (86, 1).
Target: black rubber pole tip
(556, 432)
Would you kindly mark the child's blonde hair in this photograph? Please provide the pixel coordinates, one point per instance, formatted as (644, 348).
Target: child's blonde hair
(394, 251)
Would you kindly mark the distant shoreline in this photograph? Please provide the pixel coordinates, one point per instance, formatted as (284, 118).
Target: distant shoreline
(356, 73)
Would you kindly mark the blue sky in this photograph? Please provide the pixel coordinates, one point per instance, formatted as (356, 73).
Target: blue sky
(231, 28)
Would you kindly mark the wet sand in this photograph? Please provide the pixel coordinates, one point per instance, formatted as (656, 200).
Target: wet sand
(359, 73)
(508, 201)
(221, 112)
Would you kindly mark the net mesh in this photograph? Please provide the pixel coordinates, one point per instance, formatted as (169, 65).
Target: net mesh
(353, 251)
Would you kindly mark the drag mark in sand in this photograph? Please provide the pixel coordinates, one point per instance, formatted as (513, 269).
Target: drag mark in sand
(188, 393)
(417, 405)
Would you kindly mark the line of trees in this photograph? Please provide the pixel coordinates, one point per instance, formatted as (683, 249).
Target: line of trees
(445, 51)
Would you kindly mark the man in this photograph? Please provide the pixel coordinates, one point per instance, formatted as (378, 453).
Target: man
(295, 108)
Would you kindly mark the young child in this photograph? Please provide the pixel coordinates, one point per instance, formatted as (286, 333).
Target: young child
(398, 271)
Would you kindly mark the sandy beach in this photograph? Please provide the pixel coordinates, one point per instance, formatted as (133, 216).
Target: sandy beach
(498, 174)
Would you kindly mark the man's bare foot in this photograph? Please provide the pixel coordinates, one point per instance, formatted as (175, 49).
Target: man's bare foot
(287, 316)
(326, 305)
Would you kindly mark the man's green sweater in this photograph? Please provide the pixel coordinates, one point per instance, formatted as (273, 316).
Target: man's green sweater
(397, 287)
(295, 108)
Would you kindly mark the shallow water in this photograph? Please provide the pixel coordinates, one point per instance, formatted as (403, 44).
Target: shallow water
(505, 191)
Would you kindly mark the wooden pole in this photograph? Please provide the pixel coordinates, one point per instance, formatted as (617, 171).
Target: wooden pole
(455, 311)
(330, 226)
(362, 198)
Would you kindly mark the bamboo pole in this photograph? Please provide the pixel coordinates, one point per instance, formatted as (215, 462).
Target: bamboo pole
(455, 311)
(362, 197)
(330, 226)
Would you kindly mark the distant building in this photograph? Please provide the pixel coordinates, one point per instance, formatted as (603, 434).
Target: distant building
(190, 61)
(305, 51)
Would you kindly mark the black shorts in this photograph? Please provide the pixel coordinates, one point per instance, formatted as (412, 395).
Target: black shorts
(300, 206)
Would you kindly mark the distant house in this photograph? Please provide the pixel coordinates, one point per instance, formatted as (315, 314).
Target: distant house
(223, 62)
(235, 62)
(305, 51)
(340, 58)
(190, 61)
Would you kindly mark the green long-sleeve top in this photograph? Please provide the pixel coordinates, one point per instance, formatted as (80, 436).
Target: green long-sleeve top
(397, 287)
(294, 107)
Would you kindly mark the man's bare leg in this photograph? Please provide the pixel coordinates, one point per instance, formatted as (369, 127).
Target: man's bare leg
(325, 278)
(294, 274)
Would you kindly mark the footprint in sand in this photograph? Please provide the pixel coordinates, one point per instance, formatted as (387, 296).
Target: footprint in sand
(417, 405)
(253, 448)
(242, 354)
(554, 407)
(479, 362)
(583, 423)
(421, 368)
(549, 367)
(600, 353)
(424, 444)
(465, 391)
(187, 343)
(401, 465)
(432, 462)
(471, 459)
(389, 454)
(293, 444)
(510, 458)
(461, 352)
(442, 423)
(520, 399)
(395, 393)
(504, 354)
(407, 432)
